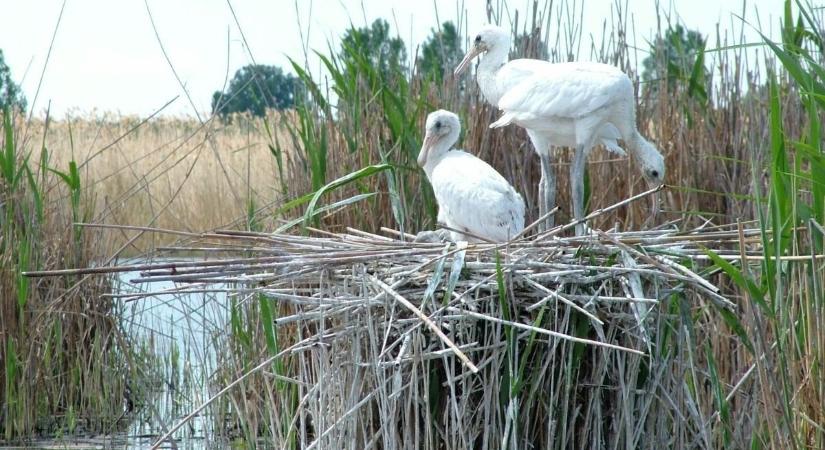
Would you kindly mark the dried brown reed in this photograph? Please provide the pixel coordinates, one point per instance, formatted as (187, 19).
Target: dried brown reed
(576, 341)
(353, 368)
(65, 362)
(168, 172)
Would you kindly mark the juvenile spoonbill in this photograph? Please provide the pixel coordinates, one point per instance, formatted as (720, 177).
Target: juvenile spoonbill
(574, 104)
(471, 195)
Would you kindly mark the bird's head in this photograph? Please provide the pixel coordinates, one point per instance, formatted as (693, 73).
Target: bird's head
(652, 164)
(441, 132)
(489, 38)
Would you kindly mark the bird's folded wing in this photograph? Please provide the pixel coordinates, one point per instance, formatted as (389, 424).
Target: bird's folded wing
(478, 199)
(608, 135)
(559, 90)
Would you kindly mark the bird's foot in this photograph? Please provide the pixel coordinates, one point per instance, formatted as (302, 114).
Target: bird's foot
(434, 236)
(582, 229)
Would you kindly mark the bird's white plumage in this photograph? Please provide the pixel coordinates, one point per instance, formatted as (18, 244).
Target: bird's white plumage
(563, 90)
(472, 196)
(575, 104)
(551, 97)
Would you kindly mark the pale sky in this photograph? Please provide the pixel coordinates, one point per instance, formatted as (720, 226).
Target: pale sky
(106, 56)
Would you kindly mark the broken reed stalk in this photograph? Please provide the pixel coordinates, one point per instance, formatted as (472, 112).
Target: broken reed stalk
(561, 292)
(332, 286)
(543, 331)
(400, 299)
(599, 212)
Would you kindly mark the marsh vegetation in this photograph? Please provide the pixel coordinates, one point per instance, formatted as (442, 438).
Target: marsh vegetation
(740, 126)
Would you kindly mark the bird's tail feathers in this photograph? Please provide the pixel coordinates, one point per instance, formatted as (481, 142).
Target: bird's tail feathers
(503, 121)
(613, 146)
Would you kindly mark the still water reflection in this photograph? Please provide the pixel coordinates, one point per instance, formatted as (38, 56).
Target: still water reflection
(179, 331)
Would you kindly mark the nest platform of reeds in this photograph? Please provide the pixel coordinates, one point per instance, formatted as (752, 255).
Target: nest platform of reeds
(449, 345)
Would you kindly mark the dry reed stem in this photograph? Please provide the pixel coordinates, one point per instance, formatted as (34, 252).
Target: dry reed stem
(329, 282)
(543, 331)
(399, 298)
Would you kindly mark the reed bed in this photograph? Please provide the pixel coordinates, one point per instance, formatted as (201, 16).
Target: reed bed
(65, 362)
(332, 341)
(169, 172)
(373, 341)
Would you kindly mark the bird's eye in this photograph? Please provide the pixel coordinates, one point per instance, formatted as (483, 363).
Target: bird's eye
(654, 173)
(437, 125)
(478, 39)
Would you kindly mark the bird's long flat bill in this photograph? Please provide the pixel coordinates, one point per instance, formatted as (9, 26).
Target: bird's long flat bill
(472, 53)
(655, 199)
(429, 141)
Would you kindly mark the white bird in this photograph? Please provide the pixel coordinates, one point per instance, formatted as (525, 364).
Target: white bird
(575, 104)
(471, 195)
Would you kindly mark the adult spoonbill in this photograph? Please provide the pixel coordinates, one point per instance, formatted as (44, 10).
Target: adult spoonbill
(574, 104)
(471, 195)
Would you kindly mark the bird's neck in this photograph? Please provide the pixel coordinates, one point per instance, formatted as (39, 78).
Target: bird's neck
(437, 153)
(641, 148)
(487, 71)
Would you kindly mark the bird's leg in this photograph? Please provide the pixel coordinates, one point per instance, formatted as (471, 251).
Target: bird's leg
(577, 186)
(540, 227)
(548, 185)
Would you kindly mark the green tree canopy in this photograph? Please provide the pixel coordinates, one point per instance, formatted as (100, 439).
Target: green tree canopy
(373, 45)
(673, 57)
(441, 52)
(10, 94)
(256, 88)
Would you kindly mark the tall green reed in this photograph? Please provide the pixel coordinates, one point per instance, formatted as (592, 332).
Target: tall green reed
(726, 377)
(784, 309)
(60, 346)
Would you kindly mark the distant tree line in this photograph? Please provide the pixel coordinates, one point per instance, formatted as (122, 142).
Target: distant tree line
(256, 88)
(10, 94)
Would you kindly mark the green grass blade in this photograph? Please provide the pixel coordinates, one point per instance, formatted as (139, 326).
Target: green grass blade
(23, 255)
(310, 85)
(8, 161)
(721, 402)
(696, 82)
(792, 64)
(396, 203)
(342, 87)
(455, 273)
(37, 195)
(11, 367)
(268, 323)
(323, 209)
(295, 202)
(744, 282)
(342, 181)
